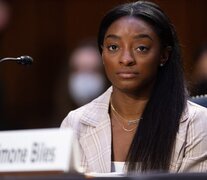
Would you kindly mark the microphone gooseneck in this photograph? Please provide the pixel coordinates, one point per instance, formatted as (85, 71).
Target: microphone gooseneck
(25, 60)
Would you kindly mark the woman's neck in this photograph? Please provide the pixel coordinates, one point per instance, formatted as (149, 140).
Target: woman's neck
(128, 105)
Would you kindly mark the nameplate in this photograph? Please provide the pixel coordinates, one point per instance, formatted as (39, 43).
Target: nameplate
(39, 150)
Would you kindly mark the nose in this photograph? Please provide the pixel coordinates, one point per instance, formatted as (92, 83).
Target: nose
(127, 58)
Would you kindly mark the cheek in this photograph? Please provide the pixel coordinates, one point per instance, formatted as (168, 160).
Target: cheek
(148, 67)
(149, 72)
(108, 66)
(149, 63)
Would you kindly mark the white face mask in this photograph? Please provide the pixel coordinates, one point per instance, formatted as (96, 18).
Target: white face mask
(84, 87)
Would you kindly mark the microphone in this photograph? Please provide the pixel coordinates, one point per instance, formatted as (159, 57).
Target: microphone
(25, 60)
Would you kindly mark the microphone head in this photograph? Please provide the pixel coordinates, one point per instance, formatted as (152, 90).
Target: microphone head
(25, 60)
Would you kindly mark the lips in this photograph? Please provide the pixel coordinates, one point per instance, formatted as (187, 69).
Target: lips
(127, 74)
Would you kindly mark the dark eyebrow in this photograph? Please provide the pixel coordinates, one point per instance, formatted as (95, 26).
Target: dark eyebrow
(112, 36)
(140, 36)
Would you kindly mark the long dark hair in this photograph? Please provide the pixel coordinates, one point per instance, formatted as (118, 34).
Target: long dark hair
(153, 143)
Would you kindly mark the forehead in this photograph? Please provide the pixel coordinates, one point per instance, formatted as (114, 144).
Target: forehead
(131, 26)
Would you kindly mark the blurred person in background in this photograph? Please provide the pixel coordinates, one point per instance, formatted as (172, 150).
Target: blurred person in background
(199, 74)
(5, 14)
(85, 80)
(198, 89)
(81, 80)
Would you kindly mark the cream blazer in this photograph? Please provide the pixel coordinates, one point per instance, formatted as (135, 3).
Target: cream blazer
(92, 126)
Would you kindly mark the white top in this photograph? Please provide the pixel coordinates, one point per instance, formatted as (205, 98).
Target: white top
(117, 170)
(117, 166)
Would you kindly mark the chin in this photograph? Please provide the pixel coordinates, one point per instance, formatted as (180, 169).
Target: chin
(133, 88)
(128, 88)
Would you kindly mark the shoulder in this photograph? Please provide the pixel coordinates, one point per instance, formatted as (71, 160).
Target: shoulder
(88, 112)
(197, 113)
(193, 128)
(191, 141)
(74, 116)
(193, 124)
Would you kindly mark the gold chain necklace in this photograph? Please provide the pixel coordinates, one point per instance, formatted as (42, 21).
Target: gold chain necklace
(122, 126)
(129, 122)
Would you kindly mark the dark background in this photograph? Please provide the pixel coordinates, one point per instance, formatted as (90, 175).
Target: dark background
(48, 30)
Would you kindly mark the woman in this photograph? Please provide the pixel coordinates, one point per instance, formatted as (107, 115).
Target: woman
(143, 122)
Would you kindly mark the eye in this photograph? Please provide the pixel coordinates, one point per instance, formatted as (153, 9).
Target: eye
(142, 48)
(113, 48)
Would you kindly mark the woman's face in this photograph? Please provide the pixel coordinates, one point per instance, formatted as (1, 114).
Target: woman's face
(131, 55)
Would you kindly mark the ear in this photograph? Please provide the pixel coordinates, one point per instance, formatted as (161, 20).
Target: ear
(165, 55)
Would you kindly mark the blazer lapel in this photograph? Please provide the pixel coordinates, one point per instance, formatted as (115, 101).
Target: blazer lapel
(95, 136)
